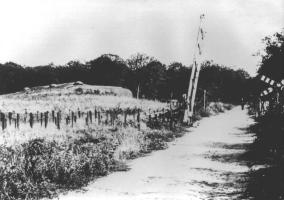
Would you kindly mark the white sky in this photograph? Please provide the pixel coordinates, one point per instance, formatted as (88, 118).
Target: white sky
(38, 32)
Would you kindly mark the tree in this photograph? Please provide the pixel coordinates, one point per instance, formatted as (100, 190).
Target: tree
(222, 83)
(272, 63)
(73, 71)
(136, 62)
(177, 80)
(108, 69)
(11, 77)
(153, 82)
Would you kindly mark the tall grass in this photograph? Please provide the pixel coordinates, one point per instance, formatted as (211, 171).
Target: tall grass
(41, 168)
(20, 104)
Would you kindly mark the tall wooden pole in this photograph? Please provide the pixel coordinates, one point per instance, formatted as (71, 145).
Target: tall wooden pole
(193, 77)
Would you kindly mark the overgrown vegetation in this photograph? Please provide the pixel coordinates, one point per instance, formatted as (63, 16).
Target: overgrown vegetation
(268, 151)
(268, 147)
(39, 168)
(45, 167)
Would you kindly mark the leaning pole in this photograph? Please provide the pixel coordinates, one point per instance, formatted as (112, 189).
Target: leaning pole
(192, 88)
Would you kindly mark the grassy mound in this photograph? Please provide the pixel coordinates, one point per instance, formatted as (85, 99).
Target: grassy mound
(74, 88)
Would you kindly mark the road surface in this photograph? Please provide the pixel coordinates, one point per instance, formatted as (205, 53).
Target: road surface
(199, 165)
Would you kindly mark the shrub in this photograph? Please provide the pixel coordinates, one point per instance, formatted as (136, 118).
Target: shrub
(204, 113)
(78, 91)
(156, 140)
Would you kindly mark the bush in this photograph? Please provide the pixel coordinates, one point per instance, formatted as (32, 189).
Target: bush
(156, 140)
(78, 91)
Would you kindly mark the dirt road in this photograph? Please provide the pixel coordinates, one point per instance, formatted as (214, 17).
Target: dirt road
(199, 165)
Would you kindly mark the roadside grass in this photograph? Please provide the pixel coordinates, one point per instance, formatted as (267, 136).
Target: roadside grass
(38, 168)
(41, 168)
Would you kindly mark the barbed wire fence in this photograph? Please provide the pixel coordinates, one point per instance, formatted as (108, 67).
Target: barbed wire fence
(110, 117)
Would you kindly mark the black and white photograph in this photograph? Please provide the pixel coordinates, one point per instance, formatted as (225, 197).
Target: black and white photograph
(141, 100)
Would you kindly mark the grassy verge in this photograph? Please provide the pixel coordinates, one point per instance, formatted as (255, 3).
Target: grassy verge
(43, 168)
(39, 168)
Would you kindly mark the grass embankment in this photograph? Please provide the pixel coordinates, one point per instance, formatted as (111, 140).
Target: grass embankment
(43, 168)
(267, 150)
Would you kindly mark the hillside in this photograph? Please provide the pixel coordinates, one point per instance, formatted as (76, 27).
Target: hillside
(72, 96)
(71, 88)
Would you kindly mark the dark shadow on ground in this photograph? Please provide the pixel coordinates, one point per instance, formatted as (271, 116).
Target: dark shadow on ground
(222, 190)
(236, 154)
(265, 157)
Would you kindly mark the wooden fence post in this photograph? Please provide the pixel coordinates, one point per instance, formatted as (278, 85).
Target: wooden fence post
(72, 118)
(53, 116)
(113, 117)
(55, 120)
(110, 116)
(125, 118)
(37, 117)
(3, 120)
(45, 119)
(25, 116)
(67, 119)
(107, 119)
(138, 119)
(58, 119)
(41, 118)
(10, 117)
(91, 116)
(99, 117)
(31, 120)
(18, 120)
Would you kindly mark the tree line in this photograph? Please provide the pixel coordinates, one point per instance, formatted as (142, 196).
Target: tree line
(145, 76)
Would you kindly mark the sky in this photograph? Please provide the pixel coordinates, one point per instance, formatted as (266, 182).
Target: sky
(39, 32)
